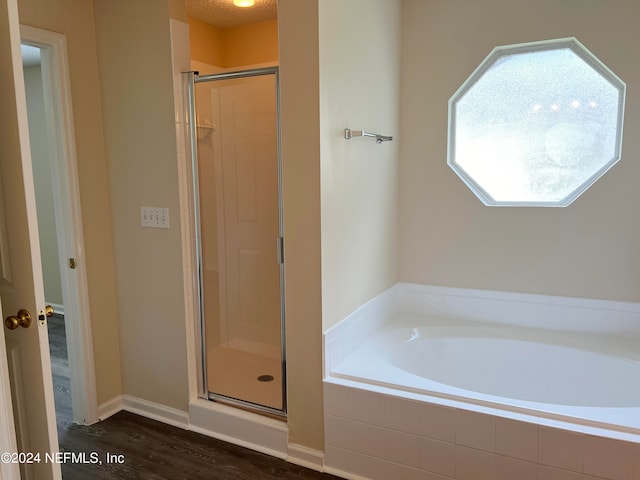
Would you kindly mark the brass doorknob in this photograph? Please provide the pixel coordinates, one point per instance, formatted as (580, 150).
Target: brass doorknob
(48, 310)
(23, 319)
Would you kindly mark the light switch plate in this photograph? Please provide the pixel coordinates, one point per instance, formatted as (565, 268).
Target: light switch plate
(154, 217)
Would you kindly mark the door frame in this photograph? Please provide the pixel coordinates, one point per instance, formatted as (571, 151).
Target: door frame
(68, 218)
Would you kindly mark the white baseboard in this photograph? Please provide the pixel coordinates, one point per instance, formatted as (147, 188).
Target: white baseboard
(155, 411)
(306, 457)
(144, 408)
(109, 408)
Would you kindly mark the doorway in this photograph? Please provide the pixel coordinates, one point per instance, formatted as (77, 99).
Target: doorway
(59, 224)
(236, 164)
(47, 229)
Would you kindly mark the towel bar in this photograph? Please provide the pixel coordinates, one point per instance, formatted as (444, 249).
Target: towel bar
(348, 134)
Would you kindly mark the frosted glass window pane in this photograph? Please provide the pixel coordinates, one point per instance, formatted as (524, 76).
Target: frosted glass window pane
(536, 126)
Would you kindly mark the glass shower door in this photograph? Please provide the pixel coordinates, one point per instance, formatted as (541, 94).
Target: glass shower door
(240, 238)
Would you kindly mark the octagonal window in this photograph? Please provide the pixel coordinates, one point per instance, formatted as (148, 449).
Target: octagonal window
(536, 124)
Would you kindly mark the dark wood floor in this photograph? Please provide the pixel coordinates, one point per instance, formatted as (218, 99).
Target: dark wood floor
(60, 371)
(152, 450)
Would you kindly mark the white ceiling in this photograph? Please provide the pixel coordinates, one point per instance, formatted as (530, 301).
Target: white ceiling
(224, 14)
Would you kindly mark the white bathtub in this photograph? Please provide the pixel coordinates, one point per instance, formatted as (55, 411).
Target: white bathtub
(559, 369)
(572, 377)
(432, 382)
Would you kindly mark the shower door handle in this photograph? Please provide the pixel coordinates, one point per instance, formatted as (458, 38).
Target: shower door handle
(280, 249)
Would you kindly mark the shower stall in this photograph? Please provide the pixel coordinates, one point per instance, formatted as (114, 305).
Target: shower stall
(235, 148)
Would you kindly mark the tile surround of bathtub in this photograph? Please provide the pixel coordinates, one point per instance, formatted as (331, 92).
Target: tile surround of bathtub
(608, 458)
(344, 337)
(370, 435)
(516, 439)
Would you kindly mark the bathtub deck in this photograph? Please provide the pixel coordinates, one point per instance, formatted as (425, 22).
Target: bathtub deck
(370, 367)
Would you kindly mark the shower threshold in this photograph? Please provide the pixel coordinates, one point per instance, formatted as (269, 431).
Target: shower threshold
(248, 406)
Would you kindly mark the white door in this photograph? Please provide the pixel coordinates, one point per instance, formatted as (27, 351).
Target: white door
(251, 210)
(21, 284)
(8, 470)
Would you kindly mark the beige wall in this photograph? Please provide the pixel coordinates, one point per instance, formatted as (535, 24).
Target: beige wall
(134, 52)
(74, 18)
(41, 159)
(589, 249)
(245, 45)
(300, 122)
(325, 88)
(359, 89)
(177, 10)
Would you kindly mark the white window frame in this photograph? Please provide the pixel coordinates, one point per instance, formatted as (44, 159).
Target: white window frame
(496, 54)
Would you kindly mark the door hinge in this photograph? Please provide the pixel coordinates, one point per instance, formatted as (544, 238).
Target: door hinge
(280, 247)
(73, 263)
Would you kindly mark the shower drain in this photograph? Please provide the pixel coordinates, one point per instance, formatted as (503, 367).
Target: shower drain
(265, 378)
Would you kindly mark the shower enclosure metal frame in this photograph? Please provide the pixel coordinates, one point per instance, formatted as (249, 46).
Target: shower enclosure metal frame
(191, 78)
